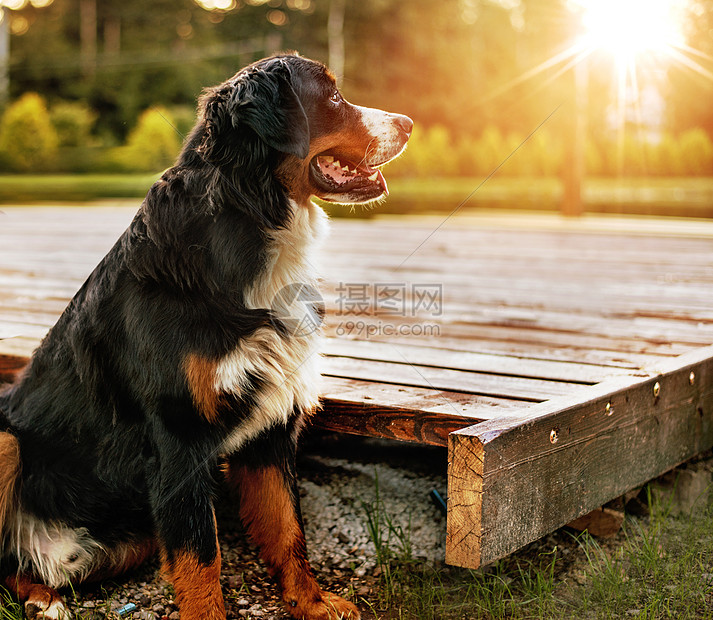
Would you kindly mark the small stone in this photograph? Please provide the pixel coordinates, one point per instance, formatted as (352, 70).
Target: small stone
(243, 602)
(234, 581)
(89, 604)
(145, 600)
(174, 615)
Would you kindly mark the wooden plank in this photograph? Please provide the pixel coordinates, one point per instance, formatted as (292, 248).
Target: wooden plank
(20, 346)
(525, 337)
(602, 523)
(459, 404)
(415, 375)
(586, 299)
(10, 367)
(509, 365)
(515, 478)
(390, 421)
(568, 355)
(387, 422)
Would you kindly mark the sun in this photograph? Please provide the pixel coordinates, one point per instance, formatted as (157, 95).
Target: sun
(628, 29)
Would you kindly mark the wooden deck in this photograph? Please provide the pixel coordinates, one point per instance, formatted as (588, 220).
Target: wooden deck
(561, 362)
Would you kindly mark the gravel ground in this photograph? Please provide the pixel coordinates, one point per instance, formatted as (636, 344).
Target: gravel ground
(338, 477)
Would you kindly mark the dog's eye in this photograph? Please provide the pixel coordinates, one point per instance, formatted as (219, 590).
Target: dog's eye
(336, 97)
(73, 558)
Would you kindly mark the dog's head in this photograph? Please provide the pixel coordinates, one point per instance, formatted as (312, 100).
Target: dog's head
(316, 142)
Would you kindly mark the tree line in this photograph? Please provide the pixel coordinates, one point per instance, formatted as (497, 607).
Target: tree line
(450, 64)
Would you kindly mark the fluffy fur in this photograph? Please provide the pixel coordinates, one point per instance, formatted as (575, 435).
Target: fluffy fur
(169, 361)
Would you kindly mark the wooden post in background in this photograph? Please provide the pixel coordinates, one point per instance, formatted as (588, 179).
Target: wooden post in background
(88, 37)
(4, 57)
(575, 141)
(335, 35)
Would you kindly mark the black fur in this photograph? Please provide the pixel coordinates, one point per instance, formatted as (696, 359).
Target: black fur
(110, 436)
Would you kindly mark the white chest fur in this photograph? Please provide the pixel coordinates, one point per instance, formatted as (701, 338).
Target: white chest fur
(286, 365)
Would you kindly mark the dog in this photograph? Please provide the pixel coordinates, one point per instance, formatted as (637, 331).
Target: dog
(170, 364)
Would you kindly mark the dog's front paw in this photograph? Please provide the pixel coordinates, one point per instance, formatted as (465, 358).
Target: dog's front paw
(39, 609)
(329, 607)
(339, 608)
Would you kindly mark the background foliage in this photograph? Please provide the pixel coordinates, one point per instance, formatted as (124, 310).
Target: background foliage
(449, 65)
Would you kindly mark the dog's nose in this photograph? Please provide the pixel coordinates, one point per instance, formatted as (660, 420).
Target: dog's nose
(404, 123)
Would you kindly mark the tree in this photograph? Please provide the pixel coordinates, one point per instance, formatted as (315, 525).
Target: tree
(28, 140)
(689, 91)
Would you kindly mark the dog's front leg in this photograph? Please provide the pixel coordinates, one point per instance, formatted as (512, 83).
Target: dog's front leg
(40, 601)
(187, 536)
(263, 474)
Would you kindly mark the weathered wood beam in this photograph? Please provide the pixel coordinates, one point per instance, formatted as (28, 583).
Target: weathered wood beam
(10, 367)
(514, 479)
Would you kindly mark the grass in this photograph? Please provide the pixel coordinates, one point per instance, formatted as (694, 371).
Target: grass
(10, 609)
(683, 197)
(650, 196)
(72, 188)
(658, 567)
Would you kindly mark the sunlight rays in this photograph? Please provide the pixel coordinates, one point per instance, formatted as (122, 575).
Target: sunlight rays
(641, 39)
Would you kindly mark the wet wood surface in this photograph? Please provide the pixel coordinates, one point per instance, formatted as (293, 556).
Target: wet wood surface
(482, 333)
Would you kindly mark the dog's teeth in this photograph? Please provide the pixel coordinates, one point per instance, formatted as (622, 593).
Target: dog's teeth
(374, 176)
(328, 158)
(346, 168)
(353, 171)
(336, 163)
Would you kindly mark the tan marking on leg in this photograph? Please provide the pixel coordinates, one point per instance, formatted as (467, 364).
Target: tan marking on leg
(200, 375)
(197, 586)
(40, 601)
(9, 473)
(268, 511)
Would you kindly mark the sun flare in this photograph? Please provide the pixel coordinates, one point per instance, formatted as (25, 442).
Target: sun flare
(630, 28)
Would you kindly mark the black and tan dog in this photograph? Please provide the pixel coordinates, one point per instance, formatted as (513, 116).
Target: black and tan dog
(169, 363)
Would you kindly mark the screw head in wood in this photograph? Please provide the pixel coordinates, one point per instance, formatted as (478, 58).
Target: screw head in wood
(657, 389)
(554, 435)
(692, 378)
(608, 409)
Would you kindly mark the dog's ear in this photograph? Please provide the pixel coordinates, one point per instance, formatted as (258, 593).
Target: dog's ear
(265, 101)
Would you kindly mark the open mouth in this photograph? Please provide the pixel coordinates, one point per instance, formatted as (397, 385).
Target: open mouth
(339, 179)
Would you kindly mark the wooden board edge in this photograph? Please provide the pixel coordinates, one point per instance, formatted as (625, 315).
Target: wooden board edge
(11, 366)
(515, 479)
(464, 518)
(402, 424)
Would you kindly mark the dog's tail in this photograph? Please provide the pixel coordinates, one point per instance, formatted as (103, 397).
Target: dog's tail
(9, 477)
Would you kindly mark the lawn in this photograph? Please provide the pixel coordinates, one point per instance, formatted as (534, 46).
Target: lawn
(691, 197)
(19, 189)
(659, 566)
